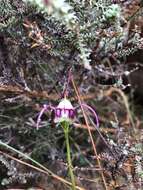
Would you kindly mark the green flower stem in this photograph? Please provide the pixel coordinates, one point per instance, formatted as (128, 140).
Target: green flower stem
(66, 132)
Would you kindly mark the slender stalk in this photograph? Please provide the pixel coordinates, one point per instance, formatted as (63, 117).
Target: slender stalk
(66, 132)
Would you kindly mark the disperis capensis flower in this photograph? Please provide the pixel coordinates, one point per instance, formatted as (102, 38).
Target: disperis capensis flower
(64, 111)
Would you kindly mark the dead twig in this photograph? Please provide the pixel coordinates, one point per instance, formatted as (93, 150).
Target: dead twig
(37, 94)
(89, 131)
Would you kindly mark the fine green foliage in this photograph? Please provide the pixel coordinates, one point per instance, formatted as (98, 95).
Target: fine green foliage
(100, 42)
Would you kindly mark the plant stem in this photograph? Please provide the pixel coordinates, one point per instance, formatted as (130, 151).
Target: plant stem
(66, 132)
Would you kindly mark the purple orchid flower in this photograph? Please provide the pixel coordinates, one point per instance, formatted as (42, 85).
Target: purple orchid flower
(64, 112)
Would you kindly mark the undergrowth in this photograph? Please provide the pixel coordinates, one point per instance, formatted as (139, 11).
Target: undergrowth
(101, 42)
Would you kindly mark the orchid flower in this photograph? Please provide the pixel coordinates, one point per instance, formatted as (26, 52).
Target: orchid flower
(64, 112)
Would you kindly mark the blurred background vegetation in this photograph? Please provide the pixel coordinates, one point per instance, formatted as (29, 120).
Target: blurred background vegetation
(102, 42)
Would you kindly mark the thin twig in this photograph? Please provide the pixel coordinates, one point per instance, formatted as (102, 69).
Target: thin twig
(89, 131)
(36, 94)
(125, 100)
(43, 170)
